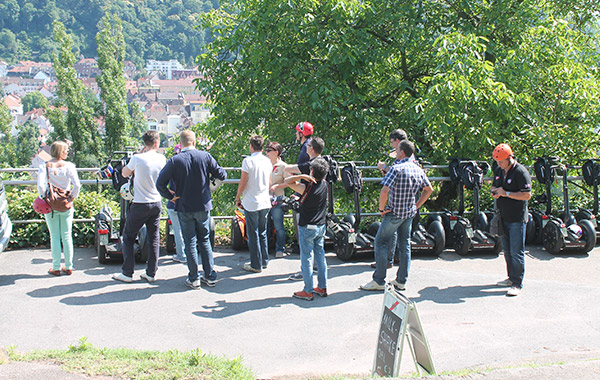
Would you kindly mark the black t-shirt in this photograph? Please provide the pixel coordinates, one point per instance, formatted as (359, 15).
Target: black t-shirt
(517, 179)
(313, 209)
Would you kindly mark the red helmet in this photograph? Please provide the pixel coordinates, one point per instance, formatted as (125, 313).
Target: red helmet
(40, 205)
(502, 152)
(305, 128)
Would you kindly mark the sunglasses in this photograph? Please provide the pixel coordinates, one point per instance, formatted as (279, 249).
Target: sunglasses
(269, 150)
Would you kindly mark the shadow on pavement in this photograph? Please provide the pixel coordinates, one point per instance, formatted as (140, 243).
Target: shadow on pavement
(458, 294)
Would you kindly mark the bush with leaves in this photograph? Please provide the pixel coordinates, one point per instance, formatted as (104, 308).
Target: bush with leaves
(35, 234)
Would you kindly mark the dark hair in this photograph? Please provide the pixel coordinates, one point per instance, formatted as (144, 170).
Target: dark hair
(407, 147)
(319, 168)
(151, 137)
(398, 134)
(257, 142)
(275, 146)
(317, 144)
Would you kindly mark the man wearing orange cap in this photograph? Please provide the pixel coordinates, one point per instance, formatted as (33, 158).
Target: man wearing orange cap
(512, 189)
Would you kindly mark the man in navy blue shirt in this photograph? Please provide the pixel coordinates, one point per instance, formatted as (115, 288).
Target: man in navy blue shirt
(190, 171)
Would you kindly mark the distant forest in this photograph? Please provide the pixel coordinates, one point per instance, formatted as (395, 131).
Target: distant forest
(153, 29)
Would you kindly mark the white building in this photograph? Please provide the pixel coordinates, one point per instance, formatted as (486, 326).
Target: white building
(3, 69)
(164, 67)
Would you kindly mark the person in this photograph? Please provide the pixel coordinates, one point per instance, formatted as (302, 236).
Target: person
(61, 174)
(304, 132)
(253, 197)
(311, 226)
(511, 188)
(398, 206)
(179, 255)
(314, 148)
(190, 171)
(278, 174)
(145, 209)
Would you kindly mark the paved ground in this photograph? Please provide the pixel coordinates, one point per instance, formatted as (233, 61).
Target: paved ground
(468, 321)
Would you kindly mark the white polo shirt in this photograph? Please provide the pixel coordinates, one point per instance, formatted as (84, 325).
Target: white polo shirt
(256, 194)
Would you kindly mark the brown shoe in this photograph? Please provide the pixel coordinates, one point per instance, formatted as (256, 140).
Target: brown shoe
(54, 272)
(66, 271)
(374, 265)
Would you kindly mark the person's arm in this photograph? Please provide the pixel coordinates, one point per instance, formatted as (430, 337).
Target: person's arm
(292, 169)
(425, 193)
(42, 180)
(383, 199)
(126, 172)
(294, 182)
(75, 180)
(163, 181)
(241, 188)
(518, 195)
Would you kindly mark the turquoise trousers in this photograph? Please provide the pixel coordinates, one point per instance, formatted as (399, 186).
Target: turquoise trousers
(61, 239)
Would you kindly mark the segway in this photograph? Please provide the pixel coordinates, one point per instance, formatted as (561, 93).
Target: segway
(108, 240)
(429, 239)
(562, 234)
(471, 235)
(591, 176)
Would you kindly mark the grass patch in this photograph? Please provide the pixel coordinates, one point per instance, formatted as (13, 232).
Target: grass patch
(140, 365)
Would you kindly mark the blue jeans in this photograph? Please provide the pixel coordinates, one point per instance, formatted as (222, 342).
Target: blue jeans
(513, 243)
(256, 230)
(60, 225)
(141, 214)
(195, 228)
(180, 254)
(312, 239)
(277, 217)
(390, 226)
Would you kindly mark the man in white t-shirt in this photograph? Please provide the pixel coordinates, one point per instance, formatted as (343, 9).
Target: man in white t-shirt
(145, 209)
(253, 197)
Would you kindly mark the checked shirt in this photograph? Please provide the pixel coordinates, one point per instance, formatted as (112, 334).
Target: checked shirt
(405, 179)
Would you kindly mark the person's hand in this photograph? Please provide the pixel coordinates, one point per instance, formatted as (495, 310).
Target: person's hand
(273, 188)
(238, 203)
(174, 199)
(384, 211)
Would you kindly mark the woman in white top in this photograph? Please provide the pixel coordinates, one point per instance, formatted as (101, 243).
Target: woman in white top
(62, 174)
(278, 174)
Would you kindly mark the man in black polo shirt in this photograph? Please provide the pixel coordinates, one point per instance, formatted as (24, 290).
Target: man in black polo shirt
(512, 189)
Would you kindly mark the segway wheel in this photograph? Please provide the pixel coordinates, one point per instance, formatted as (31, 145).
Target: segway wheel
(552, 237)
(103, 257)
(373, 228)
(436, 229)
(588, 235)
(343, 249)
(142, 257)
(498, 246)
(170, 240)
(237, 240)
(530, 228)
(538, 222)
(462, 241)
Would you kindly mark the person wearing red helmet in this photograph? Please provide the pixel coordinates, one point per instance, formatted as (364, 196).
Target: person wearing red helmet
(304, 132)
(511, 188)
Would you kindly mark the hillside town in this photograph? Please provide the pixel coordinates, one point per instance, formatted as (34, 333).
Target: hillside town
(164, 90)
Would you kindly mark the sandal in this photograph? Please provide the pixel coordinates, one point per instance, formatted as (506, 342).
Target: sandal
(54, 272)
(66, 271)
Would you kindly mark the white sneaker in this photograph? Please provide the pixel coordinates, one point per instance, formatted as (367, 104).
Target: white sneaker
(514, 291)
(505, 283)
(121, 277)
(145, 276)
(372, 286)
(279, 255)
(398, 286)
(193, 285)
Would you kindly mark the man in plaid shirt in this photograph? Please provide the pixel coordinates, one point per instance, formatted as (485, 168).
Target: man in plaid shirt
(401, 184)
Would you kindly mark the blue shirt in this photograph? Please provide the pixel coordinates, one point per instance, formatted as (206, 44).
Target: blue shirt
(405, 179)
(190, 171)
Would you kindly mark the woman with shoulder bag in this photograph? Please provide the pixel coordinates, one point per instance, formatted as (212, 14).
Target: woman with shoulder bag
(56, 177)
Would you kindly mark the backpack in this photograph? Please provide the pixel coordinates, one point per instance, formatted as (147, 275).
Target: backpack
(351, 178)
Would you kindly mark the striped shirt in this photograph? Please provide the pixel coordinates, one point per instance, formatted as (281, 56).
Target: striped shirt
(405, 179)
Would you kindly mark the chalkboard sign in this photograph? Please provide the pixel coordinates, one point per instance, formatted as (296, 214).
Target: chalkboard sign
(389, 339)
(399, 318)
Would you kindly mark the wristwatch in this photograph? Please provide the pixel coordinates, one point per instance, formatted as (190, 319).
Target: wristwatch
(381, 210)
(508, 194)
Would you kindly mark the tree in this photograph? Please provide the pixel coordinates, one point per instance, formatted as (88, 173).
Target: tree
(27, 143)
(7, 146)
(455, 77)
(33, 100)
(138, 123)
(111, 57)
(80, 125)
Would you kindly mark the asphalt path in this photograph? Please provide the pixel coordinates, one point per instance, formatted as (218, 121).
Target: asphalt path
(468, 321)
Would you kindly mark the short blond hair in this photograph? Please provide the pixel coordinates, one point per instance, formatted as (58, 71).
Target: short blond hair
(58, 148)
(187, 138)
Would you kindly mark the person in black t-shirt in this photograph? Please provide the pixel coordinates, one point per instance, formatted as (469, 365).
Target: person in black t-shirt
(311, 226)
(512, 189)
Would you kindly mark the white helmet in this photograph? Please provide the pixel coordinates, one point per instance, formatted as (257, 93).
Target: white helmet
(126, 192)
(575, 230)
(214, 183)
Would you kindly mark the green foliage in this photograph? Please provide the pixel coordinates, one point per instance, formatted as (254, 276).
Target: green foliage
(459, 79)
(152, 29)
(87, 205)
(33, 100)
(27, 143)
(111, 58)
